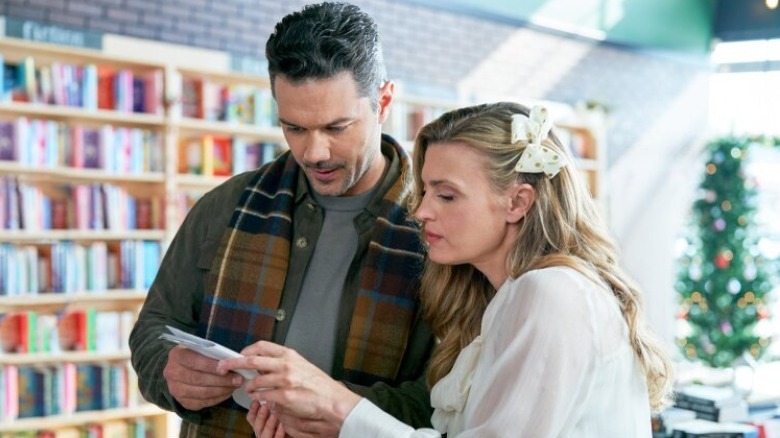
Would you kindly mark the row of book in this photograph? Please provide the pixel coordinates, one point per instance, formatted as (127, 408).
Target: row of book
(213, 155)
(130, 428)
(208, 100)
(28, 207)
(62, 389)
(71, 330)
(86, 86)
(67, 267)
(48, 144)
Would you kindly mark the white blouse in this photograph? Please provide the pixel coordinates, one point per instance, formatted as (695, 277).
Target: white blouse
(552, 359)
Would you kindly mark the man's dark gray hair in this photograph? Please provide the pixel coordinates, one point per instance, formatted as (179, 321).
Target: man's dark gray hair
(323, 40)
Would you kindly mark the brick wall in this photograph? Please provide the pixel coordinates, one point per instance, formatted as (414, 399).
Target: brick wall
(426, 47)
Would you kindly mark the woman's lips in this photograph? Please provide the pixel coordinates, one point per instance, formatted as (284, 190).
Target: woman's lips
(431, 237)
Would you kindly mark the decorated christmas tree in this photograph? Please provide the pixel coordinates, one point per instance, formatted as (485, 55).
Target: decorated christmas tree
(724, 281)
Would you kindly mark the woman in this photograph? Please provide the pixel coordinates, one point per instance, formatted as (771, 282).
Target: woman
(541, 333)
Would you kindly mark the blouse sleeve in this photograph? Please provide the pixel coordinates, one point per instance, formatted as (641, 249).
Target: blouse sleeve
(537, 359)
(366, 419)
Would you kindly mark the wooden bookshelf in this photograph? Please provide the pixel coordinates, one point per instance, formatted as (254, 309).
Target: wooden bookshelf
(226, 77)
(80, 418)
(195, 126)
(69, 357)
(61, 174)
(114, 299)
(53, 112)
(198, 183)
(16, 236)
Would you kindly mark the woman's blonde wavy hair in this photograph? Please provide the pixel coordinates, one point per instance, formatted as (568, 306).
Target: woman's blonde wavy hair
(563, 228)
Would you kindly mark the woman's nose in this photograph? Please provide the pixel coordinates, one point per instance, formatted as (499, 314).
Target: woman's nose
(422, 213)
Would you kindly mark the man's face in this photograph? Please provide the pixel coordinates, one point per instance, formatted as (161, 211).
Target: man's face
(333, 133)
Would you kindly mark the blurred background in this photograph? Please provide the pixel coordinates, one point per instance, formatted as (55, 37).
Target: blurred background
(672, 91)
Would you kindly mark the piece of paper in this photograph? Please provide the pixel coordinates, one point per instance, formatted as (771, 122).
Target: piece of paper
(214, 351)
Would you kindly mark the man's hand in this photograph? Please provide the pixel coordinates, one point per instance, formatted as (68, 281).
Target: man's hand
(194, 382)
(294, 387)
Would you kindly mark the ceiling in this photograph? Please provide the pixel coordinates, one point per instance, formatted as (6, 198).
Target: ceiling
(677, 25)
(740, 20)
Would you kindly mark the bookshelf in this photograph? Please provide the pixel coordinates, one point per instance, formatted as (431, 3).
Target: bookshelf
(72, 421)
(92, 189)
(217, 114)
(116, 299)
(52, 108)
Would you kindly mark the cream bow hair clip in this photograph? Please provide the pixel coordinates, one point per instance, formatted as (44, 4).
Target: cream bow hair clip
(535, 157)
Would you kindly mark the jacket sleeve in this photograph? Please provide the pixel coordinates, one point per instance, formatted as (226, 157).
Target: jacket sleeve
(176, 295)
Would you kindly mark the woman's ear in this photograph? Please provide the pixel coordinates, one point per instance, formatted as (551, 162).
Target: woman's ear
(523, 197)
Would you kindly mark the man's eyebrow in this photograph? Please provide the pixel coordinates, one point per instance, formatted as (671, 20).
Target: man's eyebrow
(330, 123)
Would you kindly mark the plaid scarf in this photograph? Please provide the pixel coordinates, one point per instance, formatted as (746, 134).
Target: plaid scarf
(245, 284)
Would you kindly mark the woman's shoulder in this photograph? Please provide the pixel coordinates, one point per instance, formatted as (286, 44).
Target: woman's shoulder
(561, 282)
(556, 292)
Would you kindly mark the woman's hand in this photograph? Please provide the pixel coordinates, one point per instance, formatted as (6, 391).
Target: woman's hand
(292, 386)
(264, 423)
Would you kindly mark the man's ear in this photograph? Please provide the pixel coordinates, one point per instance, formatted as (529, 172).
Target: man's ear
(522, 199)
(385, 100)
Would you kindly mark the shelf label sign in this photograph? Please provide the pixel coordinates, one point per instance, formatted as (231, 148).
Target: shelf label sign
(248, 65)
(49, 33)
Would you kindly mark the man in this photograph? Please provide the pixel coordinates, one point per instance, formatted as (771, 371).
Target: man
(315, 250)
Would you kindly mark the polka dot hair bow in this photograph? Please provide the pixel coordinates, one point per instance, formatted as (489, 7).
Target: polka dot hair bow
(535, 157)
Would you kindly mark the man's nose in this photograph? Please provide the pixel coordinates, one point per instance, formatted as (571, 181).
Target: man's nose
(317, 148)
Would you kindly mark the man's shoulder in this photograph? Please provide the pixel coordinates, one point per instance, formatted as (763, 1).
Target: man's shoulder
(230, 190)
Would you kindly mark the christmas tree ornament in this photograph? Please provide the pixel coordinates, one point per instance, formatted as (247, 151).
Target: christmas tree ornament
(721, 262)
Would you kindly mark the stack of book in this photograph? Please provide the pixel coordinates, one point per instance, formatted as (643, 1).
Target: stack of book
(712, 403)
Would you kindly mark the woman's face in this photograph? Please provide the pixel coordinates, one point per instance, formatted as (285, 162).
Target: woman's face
(464, 219)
